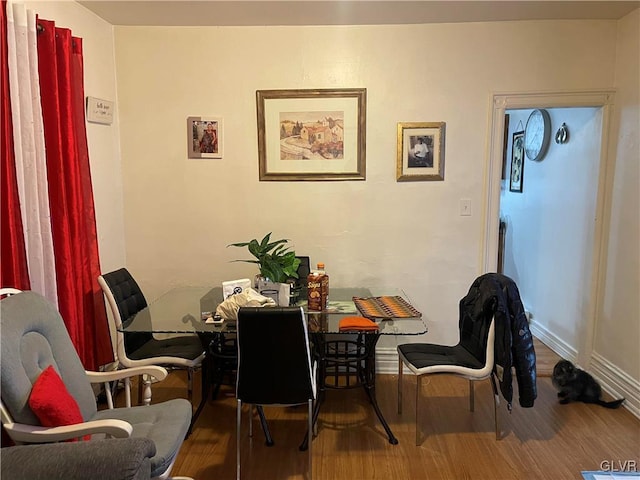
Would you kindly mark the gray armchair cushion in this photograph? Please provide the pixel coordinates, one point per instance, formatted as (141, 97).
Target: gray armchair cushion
(166, 423)
(114, 459)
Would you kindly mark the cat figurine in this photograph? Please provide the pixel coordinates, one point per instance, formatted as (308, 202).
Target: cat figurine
(574, 384)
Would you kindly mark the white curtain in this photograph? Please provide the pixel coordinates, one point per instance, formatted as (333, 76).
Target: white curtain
(28, 138)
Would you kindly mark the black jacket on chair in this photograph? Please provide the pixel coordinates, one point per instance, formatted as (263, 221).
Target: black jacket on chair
(496, 294)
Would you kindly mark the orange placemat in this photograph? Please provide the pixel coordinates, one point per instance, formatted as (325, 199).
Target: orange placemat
(385, 307)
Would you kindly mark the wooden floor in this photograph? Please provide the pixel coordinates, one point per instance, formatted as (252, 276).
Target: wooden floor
(548, 441)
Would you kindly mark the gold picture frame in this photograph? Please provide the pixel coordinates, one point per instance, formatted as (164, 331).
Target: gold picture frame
(420, 151)
(308, 135)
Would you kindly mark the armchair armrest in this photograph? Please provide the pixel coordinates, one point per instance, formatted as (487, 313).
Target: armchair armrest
(155, 371)
(122, 459)
(20, 432)
(159, 373)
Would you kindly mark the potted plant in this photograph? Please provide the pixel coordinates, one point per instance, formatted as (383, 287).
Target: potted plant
(276, 262)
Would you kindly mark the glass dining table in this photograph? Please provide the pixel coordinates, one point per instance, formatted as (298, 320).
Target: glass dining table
(346, 358)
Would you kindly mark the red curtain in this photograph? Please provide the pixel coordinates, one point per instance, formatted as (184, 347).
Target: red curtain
(75, 243)
(13, 268)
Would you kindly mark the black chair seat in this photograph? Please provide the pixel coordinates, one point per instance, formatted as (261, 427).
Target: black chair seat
(422, 355)
(186, 347)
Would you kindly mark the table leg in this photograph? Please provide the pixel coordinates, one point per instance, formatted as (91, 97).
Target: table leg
(369, 383)
(319, 349)
(205, 384)
(265, 427)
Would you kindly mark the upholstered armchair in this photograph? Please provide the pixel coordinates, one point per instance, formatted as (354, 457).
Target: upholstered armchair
(47, 396)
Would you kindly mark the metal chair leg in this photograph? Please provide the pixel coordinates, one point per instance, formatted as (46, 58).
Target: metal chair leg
(400, 369)
(310, 429)
(190, 384)
(238, 423)
(472, 396)
(496, 402)
(418, 387)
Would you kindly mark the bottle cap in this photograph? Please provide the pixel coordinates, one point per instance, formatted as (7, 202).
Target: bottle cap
(321, 266)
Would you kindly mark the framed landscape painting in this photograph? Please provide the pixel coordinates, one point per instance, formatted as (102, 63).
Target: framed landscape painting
(311, 134)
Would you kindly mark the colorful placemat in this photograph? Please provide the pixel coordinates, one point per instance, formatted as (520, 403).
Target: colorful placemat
(385, 307)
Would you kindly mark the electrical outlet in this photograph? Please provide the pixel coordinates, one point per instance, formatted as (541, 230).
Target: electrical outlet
(465, 207)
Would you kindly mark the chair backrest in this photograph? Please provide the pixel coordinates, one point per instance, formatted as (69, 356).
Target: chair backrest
(125, 299)
(274, 358)
(474, 336)
(303, 271)
(33, 337)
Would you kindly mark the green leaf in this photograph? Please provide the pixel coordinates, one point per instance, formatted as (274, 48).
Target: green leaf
(277, 262)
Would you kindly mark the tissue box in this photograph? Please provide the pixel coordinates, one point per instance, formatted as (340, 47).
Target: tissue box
(280, 292)
(231, 287)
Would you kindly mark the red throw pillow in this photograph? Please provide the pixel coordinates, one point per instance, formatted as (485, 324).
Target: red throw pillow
(52, 403)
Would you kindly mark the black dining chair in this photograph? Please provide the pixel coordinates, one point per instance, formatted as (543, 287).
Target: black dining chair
(133, 349)
(471, 358)
(274, 364)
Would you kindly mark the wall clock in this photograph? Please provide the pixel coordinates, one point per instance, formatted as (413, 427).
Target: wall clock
(537, 134)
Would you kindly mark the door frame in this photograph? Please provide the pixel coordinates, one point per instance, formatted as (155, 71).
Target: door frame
(500, 103)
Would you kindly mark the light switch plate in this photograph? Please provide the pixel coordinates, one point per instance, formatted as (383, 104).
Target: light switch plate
(465, 207)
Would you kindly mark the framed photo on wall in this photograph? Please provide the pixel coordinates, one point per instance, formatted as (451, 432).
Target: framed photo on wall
(505, 146)
(311, 134)
(517, 162)
(420, 151)
(204, 137)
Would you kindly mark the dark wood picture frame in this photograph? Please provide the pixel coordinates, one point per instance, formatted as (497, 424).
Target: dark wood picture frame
(517, 162)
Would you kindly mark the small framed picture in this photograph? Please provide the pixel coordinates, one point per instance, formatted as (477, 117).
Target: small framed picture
(420, 151)
(517, 162)
(204, 137)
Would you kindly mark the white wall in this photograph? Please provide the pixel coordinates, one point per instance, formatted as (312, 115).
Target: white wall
(550, 225)
(103, 140)
(617, 334)
(181, 213)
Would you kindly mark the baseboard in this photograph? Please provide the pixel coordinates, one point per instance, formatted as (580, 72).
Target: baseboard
(613, 380)
(387, 360)
(616, 382)
(556, 344)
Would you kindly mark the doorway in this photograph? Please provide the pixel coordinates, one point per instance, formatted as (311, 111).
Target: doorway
(593, 276)
(547, 212)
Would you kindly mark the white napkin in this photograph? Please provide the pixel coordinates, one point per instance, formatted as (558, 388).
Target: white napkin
(228, 309)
